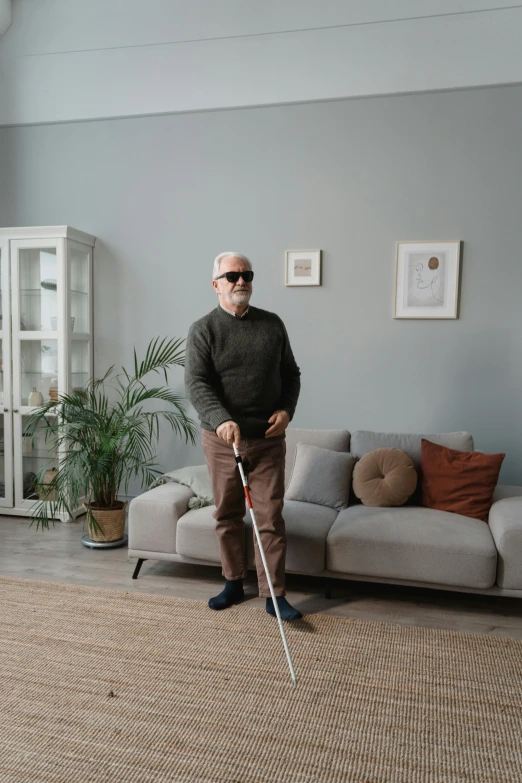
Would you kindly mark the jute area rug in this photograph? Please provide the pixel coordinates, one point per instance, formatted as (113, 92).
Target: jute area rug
(103, 686)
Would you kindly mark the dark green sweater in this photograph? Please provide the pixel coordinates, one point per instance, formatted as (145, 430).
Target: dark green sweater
(241, 369)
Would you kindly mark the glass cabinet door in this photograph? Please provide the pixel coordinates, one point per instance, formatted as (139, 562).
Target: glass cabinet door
(6, 420)
(37, 292)
(38, 371)
(38, 311)
(79, 270)
(36, 452)
(79, 276)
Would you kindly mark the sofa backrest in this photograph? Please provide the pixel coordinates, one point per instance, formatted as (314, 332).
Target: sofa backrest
(336, 440)
(363, 441)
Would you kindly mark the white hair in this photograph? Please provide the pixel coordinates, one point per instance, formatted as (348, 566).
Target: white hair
(231, 254)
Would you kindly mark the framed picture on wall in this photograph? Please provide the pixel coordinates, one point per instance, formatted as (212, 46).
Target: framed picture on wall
(303, 267)
(427, 279)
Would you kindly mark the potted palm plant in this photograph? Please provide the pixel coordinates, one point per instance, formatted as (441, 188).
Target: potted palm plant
(101, 442)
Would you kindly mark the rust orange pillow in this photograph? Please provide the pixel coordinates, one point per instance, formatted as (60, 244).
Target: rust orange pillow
(459, 481)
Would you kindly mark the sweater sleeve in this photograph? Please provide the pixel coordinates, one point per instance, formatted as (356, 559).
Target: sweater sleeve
(198, 381)
(290, 377)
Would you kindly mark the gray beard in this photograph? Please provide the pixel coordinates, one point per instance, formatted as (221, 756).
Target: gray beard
(241, 297)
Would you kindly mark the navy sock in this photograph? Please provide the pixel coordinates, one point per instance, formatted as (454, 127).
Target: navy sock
(286, 611)
(232, 594)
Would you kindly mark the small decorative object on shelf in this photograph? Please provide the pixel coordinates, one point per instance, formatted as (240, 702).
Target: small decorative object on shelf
(36, 397)
(49, 284)
(53, 388)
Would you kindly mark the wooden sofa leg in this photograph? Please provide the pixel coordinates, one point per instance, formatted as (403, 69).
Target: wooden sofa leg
(139, 564)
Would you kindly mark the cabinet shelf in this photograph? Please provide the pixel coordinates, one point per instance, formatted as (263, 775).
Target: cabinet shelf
(47, 334)
(47, 457)
(50, 374)
(40, 291)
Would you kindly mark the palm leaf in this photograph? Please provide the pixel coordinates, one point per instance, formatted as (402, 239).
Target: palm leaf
(104, 444)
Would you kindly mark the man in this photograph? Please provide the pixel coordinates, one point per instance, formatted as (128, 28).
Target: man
(243, 381)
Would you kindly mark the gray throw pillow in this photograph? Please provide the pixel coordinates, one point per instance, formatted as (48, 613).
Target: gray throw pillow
(321, 476)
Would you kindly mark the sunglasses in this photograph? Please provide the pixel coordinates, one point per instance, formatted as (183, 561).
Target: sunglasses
(233, 277)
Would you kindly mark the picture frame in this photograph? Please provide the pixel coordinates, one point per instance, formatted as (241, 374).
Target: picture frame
(303, 267)
(427, 279)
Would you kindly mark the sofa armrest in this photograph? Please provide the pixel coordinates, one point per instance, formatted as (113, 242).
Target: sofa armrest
(153, 517)
(505, 523)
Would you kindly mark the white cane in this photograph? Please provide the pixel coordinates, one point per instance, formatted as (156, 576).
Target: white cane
(262, 551)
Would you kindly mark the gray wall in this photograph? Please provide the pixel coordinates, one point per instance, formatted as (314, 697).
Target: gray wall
(165, 194)
(67, 60)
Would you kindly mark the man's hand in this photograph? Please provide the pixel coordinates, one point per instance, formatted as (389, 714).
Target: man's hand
(229, 431)
(279, 421)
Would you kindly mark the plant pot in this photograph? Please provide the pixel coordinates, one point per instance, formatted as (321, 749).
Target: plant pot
(111, 521)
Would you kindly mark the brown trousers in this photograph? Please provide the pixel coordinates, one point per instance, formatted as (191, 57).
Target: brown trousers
(264, 466)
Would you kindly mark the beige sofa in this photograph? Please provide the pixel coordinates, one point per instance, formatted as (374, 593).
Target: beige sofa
(408, 545)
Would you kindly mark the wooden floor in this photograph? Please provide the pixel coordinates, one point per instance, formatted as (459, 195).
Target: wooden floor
(58, 555)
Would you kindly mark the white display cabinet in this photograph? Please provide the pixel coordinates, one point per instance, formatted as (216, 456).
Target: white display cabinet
(46, 349)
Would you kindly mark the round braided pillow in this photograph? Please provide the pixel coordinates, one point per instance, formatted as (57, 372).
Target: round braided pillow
(384, 477)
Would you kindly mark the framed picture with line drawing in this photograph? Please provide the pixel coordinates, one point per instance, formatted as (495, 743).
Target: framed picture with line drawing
(303, 267)
(427, 279)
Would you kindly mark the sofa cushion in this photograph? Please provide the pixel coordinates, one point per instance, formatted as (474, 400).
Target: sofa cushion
(384, 477)
(458, 481)
(196, 535)
(363, 441)
(335, 440)
(307, 526)
(506, 491)
(413, 543)
(321, 476)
